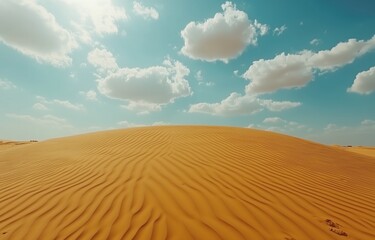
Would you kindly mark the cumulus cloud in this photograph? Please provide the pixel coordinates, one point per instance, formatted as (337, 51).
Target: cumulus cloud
(145, 12)
(287, 71)
(279, 30)
(102, 59)
(276, 106)
(236, 104)
(341, 54)
(6, 85)
(96, 16)
(364, 82)
(30, 29)
(284, 71)
(223, 37)
(147, 88)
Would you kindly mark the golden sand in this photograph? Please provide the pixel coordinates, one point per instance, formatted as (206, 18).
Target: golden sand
(369, 151)
(185, 183)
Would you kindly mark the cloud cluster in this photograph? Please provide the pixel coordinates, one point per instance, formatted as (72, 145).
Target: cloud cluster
(30, 29)
(237, 104)
(147, 89)
(223, 37)
(277, 124)
(358, 134)
(34, 31)
(364, 82)
(287, 71)
(145, 12)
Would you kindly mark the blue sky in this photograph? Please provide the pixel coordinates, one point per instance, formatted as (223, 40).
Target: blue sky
(303, 68)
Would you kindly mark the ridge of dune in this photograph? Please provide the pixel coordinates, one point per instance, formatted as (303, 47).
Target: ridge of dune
(185, 182)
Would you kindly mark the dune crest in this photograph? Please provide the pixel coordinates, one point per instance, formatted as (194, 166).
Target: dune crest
(185, 182)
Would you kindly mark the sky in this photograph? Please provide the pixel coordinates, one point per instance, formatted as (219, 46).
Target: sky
(305, 68)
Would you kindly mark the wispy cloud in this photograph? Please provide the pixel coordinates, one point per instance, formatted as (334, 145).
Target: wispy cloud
(279, 30)
(145, 12)
(6, 85)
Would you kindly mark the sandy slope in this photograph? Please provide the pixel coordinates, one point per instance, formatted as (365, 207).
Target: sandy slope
(185, 183)
(369, 151)
(6, 144)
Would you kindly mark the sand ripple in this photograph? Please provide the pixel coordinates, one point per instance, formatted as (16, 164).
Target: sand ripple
(185, 183)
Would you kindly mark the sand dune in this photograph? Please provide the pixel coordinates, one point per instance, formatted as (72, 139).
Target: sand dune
(368, 151)
(185, 183)
(6, 144)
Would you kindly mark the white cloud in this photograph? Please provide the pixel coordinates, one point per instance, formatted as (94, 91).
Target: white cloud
(234, 105)
(273, 120)
(287, 71)
(40, 107)
(145, 12)
(364, 82)
(276, 106)
(284, 71)
(208, 84)
(341, 54)
(277, 124)
(147, 88)
(315, 42)
(279, 30)
(237, 104)
(102, 59)
(62, 103)
(98, 16)
(30, 29)
(261, 28)
(223, 37)
(6, 85)
(89, 95)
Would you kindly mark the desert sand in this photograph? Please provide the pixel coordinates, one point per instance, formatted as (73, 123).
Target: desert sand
(185, 182)
(369, 151)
